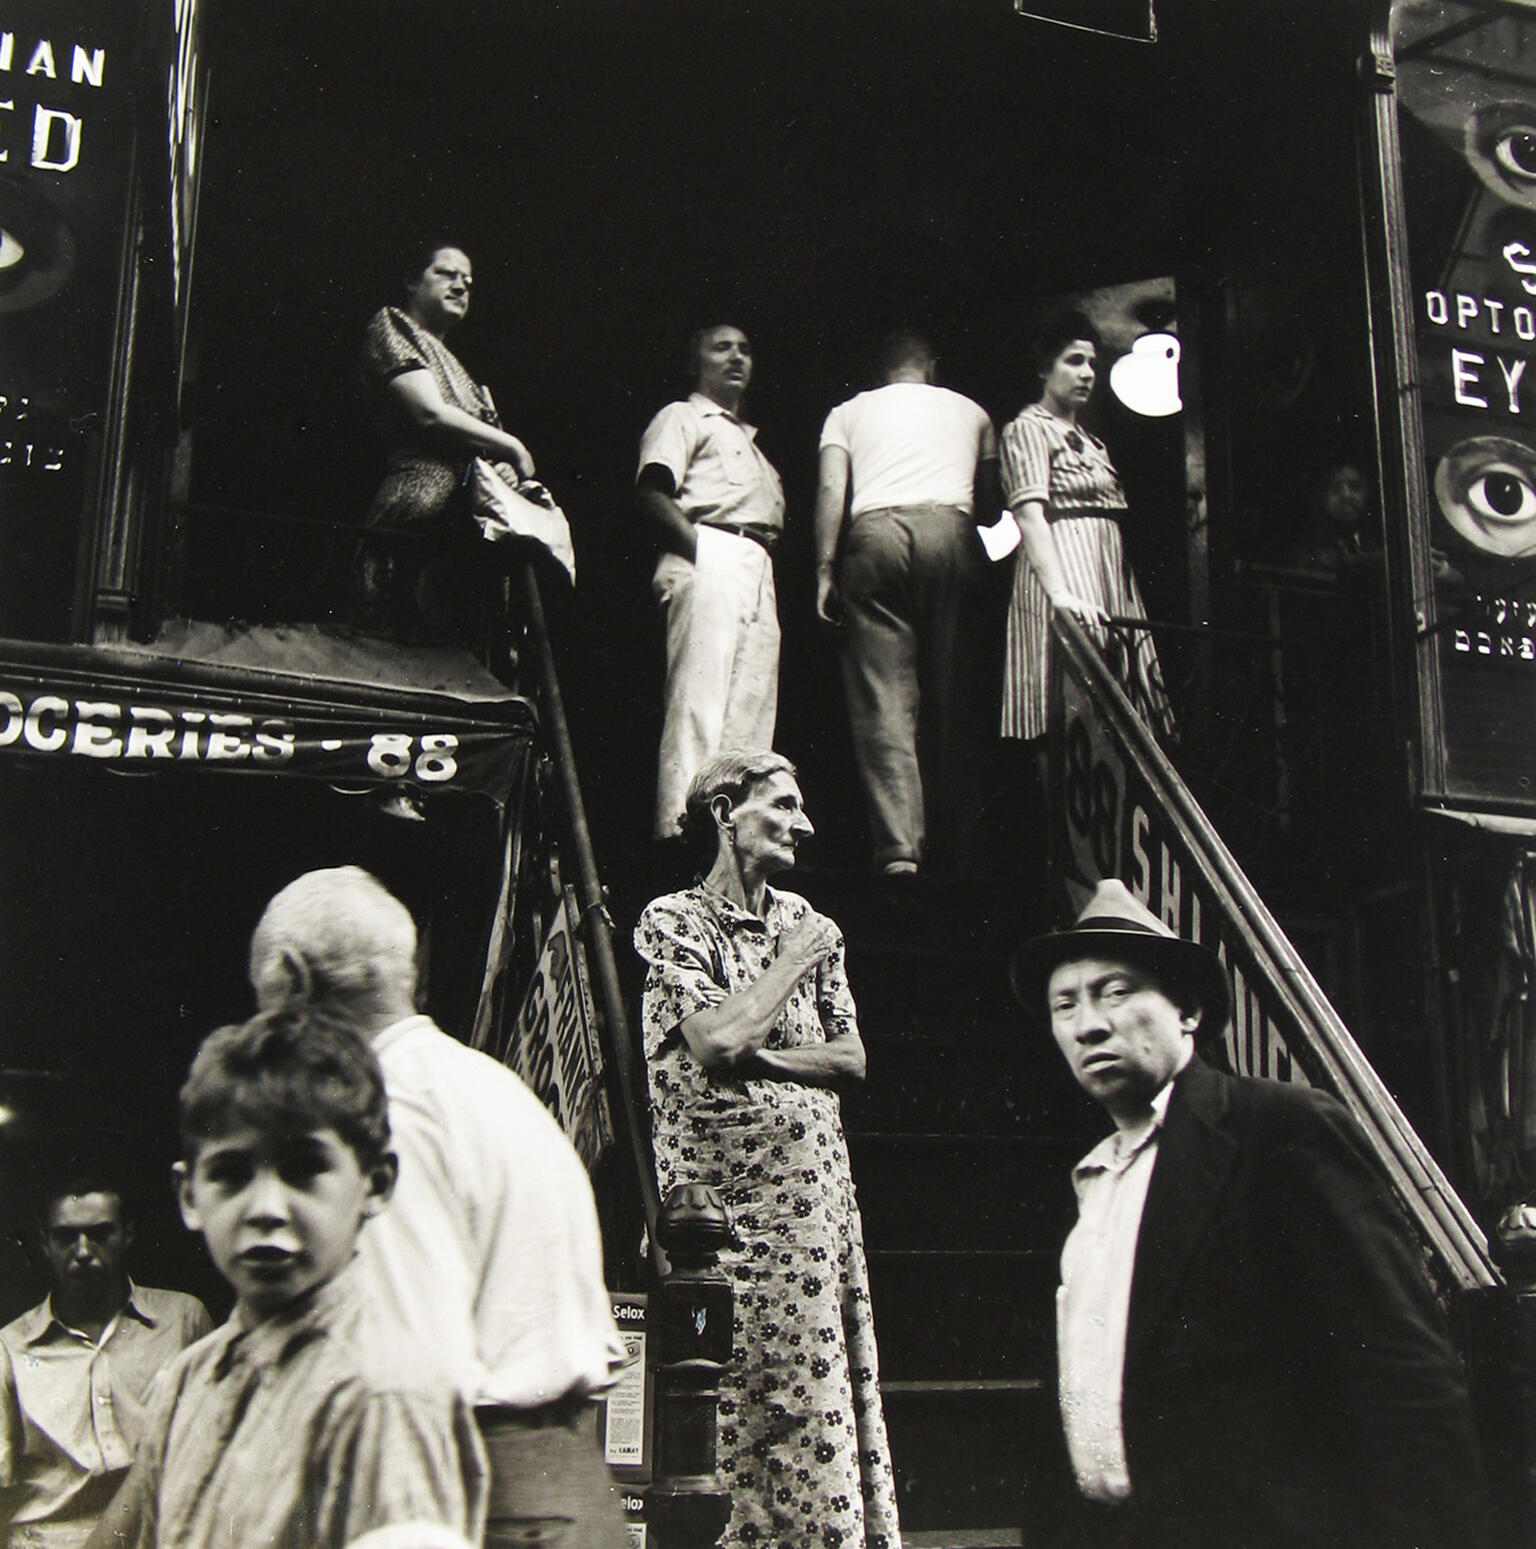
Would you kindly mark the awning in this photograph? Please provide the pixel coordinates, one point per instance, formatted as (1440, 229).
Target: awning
(299, 699)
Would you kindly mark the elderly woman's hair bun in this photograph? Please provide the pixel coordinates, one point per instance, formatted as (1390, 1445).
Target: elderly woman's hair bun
(731, 775)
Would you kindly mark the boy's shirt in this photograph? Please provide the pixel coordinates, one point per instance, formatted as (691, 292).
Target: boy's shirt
(321, 1427)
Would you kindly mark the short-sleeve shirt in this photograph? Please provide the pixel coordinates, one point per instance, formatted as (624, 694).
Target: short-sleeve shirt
(1064, 467)
(321, 1427)
(72, 1411)
(911, 444)
(395, 343)
(720, 477)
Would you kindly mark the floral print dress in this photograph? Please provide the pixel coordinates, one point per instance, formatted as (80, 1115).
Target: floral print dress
(802, 1433)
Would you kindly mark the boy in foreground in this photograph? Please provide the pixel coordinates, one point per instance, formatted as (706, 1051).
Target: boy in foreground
(310, 1419)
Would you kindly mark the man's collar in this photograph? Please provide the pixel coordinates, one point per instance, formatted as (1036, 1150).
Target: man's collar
(1120, 1145)
(707, 407)
(133, 1309)
(382, 1039)
(1163, 1098)
(42, 1320)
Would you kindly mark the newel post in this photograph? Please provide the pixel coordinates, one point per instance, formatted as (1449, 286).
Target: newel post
(693, 1313)
(1502, 1373)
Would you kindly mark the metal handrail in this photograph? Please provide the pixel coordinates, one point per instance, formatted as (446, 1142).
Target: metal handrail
(1436, 1209)
(633, 1113)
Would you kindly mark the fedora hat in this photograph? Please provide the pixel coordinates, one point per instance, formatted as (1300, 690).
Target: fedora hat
(1115, 925)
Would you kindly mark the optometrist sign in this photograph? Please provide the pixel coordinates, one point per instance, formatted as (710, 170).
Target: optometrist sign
(1469, 175)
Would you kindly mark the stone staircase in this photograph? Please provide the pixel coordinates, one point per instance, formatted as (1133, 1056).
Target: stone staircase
(962, 1141)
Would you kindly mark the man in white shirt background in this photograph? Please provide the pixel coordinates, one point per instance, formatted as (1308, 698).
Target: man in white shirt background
(75, 1368)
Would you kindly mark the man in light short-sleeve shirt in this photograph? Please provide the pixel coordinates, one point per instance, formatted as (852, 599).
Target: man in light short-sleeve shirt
(718, 509)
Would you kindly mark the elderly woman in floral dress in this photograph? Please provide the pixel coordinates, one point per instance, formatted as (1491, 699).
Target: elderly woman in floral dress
(749, 1028)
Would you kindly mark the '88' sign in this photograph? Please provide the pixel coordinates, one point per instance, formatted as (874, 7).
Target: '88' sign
(429, 757)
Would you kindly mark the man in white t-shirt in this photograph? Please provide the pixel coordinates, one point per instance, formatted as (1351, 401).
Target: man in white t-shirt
(906, 471)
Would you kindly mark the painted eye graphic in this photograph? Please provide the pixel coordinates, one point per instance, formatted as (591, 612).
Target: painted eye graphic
(37, 250)
(1514, 153)
(1500, 146)
(1486, 490)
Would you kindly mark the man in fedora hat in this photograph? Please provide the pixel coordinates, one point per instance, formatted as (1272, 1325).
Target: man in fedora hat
(1249, 1351)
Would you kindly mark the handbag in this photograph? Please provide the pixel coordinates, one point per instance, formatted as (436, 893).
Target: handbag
(504, 512)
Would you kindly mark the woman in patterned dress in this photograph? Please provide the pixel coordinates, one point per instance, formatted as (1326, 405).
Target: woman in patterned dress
(1066, 498)
(749, 1028)
(436, 417)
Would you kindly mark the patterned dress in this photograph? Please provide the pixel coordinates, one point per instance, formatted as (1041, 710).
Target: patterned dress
(418, 589)
(802, 1432)
(1070, 472)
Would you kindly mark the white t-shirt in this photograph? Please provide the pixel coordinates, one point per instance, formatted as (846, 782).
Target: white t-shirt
(911, 444)
(490, 1249)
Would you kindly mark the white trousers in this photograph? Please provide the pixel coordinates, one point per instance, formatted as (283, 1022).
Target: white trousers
(722, 623)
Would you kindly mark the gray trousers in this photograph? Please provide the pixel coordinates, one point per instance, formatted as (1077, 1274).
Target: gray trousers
(549, 1486)
(908, 578)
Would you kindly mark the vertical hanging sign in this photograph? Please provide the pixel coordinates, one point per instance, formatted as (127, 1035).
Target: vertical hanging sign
(1467, 100)
(66, 153)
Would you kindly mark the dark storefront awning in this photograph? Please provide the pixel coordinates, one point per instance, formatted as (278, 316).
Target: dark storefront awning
(276, 700)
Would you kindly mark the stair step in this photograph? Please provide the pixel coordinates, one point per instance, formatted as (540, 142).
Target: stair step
(964, 1191)
(964, 1538)
(900, 997)
(960, 1450)
(966, 1083)
(953, 1316)
(930, 915)
(944, 1388)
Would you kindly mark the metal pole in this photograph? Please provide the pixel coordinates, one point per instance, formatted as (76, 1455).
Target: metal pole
(597, 924)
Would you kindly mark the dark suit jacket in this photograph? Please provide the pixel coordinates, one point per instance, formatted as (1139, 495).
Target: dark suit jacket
(1288, 1379)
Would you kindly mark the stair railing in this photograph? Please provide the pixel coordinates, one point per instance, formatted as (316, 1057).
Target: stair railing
(686, 1504)
(1121, 809)
(626, 1083)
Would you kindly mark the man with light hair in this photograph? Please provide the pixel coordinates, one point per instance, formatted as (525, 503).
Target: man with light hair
(490, 1250)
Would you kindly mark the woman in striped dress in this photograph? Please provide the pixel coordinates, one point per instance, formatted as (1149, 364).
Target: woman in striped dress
(1066, 498)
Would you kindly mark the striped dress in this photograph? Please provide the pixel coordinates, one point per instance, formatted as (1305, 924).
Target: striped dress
(1070, 472)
